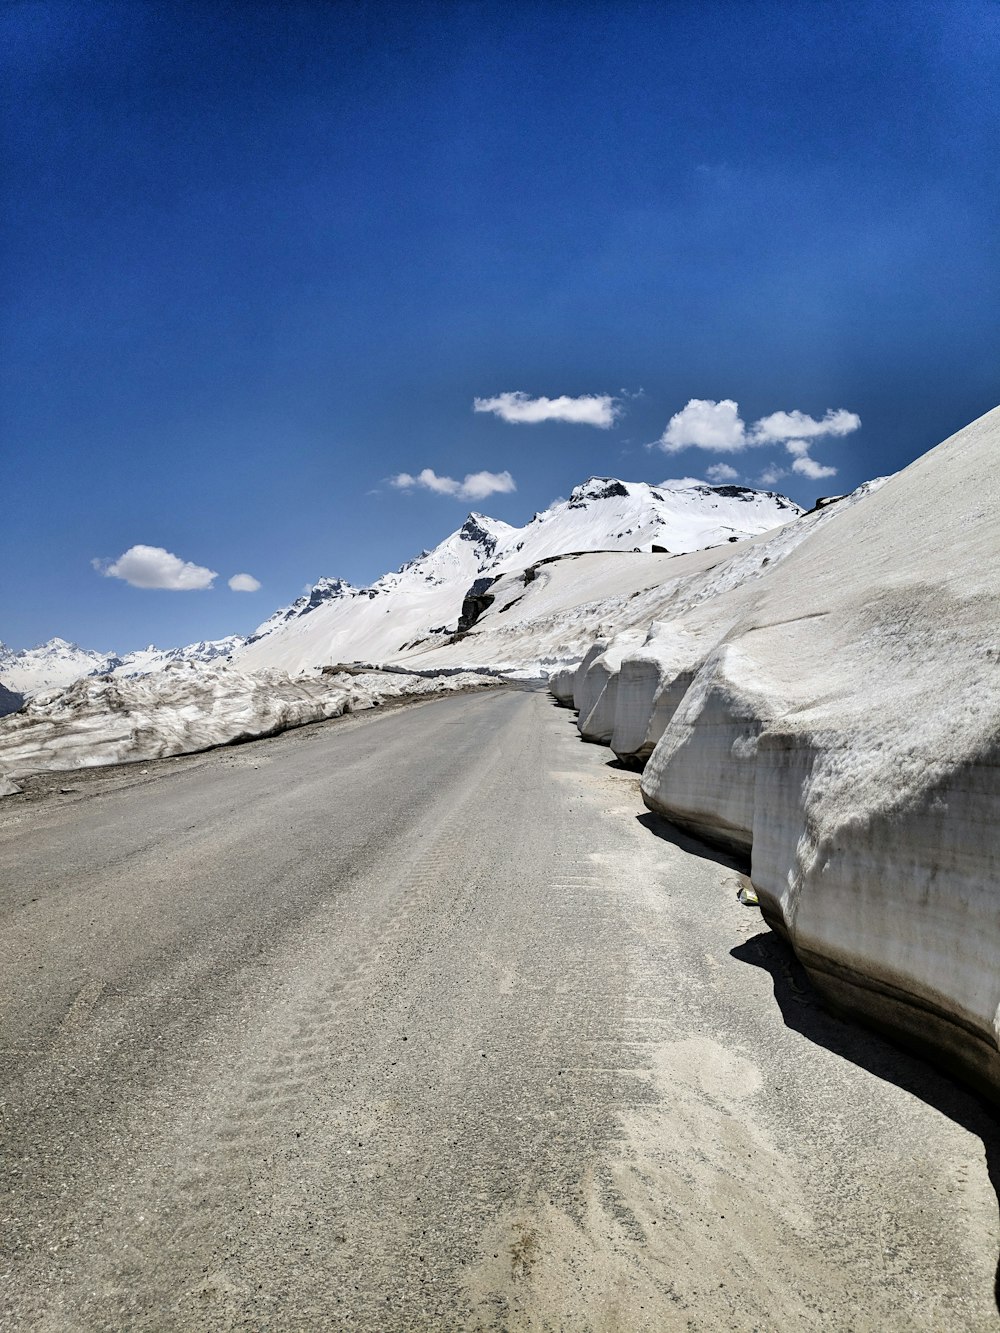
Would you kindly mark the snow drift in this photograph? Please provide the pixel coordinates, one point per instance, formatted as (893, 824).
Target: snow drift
(186, 708)
(836, 712)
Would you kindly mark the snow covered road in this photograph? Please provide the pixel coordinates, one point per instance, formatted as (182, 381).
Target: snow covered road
(422, 1020)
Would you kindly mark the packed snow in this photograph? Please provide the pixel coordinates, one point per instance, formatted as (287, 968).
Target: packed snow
(829, 701)
(185, 708)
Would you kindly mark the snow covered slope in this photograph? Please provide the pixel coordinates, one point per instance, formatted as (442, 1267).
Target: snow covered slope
(836, 712)
(605, 514)
(418, 607)
(338, 623)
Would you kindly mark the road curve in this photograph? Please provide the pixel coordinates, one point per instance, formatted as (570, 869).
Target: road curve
(417, 1021)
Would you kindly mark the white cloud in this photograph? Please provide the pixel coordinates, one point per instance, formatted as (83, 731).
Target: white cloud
(475, 486)
(803, 464)
(680, 483)
(718, 427)
(592, 409)
(705, 424)
(153, 567)
(721, 472)
(784, 425)
(808, 467)
(244, 583)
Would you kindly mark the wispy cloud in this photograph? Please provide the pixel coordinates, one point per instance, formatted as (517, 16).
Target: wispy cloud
(244, 583)
(786, 425)
(721, 472)
(475, 486)
(808, 467)
(153, 567)
(771, 474)
(592, 409)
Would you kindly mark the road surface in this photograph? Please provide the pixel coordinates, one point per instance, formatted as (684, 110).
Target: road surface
(418, 1021)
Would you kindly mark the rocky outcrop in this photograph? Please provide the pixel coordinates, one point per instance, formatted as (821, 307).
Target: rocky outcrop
(10, 701)
(474, 603)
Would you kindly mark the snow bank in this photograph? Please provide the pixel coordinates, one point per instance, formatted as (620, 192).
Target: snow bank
(186, 708)
(830, 701)
(598, 689)
(562, 683)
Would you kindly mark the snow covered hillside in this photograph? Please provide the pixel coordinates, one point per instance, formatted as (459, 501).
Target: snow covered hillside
(336, 622)
(829, 701)
(418, 607)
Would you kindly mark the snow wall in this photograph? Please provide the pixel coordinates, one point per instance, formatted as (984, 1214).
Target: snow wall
(186, 708)
(838, 718)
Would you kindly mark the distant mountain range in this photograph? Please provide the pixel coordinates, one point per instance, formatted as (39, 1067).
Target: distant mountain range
(422, 601)
(57, 663)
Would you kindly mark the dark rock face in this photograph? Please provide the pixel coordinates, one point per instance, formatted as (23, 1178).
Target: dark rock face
(475, 602)
(472, 530)
(10, 701)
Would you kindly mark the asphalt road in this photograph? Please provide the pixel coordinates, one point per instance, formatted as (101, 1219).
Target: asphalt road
(418, 1021)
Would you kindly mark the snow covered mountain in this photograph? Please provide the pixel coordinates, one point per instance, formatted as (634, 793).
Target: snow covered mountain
(146, 660)
(56, 664)
(419, 605)
(605, 514)
(49, 666)
(336, 622)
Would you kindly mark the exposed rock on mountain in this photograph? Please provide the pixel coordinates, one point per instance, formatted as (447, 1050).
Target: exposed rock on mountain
(10, 702)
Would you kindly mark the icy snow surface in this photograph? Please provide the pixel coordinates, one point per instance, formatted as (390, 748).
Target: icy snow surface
(836, 711)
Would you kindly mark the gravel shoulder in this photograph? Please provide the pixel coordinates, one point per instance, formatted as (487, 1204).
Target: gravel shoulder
(420, 1020)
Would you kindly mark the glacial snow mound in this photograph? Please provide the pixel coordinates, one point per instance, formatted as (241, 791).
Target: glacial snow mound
(186, 708)
(837, 714)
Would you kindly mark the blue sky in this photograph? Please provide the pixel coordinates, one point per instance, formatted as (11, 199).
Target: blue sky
(259, 259)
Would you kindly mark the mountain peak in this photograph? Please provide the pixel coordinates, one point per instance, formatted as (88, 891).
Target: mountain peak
(598, 488)
(483, 531)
